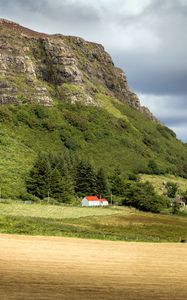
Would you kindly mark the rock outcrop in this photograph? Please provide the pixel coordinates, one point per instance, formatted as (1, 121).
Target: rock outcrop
(39, 68)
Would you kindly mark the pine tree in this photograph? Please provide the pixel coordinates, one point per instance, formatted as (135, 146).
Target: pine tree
(67, 184)
(101, 183)
(39, 179)
(55, 189)
(67, 188)
(85, 179)
(50, 175)
(117, 184)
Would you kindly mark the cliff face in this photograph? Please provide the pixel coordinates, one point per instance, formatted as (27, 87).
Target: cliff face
(41, 68)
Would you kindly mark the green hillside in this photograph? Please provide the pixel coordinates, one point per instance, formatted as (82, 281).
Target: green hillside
(64, 94)
(120, 138)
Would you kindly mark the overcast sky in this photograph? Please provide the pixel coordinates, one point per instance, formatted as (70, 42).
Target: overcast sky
(147, 38)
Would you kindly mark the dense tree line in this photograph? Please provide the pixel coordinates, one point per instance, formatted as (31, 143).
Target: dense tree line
(63, 178)
(143, 196)
(51, 175)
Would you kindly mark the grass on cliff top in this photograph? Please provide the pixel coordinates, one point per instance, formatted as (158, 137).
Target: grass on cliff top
(122, 224)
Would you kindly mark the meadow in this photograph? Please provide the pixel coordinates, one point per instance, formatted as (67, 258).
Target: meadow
(113, 223)
(48, 211)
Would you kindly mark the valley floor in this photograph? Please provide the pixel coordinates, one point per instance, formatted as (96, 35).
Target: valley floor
(59, 268)
(112, 223)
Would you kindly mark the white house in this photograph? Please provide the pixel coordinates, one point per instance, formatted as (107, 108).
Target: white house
(94, 201)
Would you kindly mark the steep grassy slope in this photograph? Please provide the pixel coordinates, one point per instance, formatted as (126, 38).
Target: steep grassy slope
(121, 137)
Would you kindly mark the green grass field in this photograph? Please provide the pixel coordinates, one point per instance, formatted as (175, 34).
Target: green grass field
(53, 211)
(111, 223)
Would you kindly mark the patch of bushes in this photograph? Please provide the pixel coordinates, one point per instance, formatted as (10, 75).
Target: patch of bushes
(171, 188)
(71, 144)
(29, 197)
(5, 114)
(122, 123)
(41, 112)
(75, 120)
(143, 197)
(153, 167)
(49, 125)
(25, 117)
(165, 131)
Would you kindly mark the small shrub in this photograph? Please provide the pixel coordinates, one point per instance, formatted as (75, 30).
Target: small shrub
(29, 197)
(75, 120)
(26, 118)
(153, 167)
(49, 125)
(122, 123)
(5, 114)
(175, 208)
(171, 188)
(65, 134)
(41, 112)
(70, 144)
(148, 141)
(89, 136)
(134, 177)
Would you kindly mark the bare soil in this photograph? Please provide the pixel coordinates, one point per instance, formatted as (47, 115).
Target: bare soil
(67, 268)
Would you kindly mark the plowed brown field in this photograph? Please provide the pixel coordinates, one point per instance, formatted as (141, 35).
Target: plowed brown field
(67, 268)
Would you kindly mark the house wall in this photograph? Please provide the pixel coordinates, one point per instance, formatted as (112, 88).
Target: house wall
(85, 202)
(105, 203)
(94, 203)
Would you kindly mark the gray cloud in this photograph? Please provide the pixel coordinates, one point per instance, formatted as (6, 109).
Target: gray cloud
(51, 16)
(146, 38)
(170, 109)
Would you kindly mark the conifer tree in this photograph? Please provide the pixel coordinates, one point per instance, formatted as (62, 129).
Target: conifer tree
(39, 180)
(117, 184)
(101, 183)
(50, 175)
(85, 179)
(55, 189)
(68, 189)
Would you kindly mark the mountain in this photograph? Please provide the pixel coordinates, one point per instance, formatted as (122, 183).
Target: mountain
(67, 68)
(62, 93)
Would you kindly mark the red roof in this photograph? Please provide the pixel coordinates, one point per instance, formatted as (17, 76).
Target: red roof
(95, 198)
(92, 198)
(103, 199)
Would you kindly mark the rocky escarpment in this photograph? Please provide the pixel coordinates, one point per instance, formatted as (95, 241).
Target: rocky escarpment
(41, 68)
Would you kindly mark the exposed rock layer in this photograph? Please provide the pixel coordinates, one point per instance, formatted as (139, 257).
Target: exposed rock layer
(39, 68)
